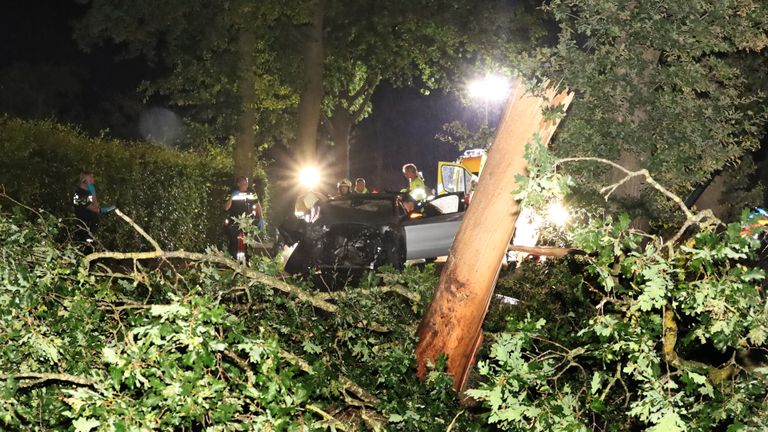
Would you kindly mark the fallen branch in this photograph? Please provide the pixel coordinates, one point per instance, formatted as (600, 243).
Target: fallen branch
(45, 377)
(556, 252)
(4, 195)
(358, 391)
(608, 190)
(697, 218)
(453, 422)
(338, 424)
(399, 289)
(716, 375)
(218, 259)
(690, 217)
(139, 230)
(271, 281)
(314, 300)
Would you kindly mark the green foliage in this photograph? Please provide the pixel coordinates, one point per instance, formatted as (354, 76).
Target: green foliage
(637, 334)
(183, 358)
(195, 347)
(175, 196)
(459, 135)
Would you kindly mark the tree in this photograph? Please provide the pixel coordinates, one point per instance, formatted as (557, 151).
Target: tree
(221, 59)
(425, 44)
(676, 89)
(264, 64)
(405, 43)
(313, 57)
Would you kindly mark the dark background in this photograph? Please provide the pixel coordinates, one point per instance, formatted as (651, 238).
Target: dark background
(45, 75)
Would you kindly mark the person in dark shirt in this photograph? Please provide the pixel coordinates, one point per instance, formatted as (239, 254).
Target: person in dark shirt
(87, 209)
(241, 202)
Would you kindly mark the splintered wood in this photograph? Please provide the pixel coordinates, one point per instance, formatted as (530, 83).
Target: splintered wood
(452, 324)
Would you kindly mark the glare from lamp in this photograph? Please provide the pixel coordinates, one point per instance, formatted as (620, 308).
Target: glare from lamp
(491, 87)
(309, 177)
(557, 214)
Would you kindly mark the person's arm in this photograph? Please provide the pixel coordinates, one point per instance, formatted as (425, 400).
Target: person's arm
(94, 205)
(228, 203)
(258, 210)
(97, 208)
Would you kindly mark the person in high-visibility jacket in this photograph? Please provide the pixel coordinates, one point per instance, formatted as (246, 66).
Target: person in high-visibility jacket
(416, 186)
(360, 186)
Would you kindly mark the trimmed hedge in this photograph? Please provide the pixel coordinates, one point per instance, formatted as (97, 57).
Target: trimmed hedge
(175, 196)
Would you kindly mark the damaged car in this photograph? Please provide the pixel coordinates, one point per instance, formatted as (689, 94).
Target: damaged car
(366, 231)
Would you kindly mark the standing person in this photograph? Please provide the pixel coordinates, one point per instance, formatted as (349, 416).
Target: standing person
(416, 186)
(360, 186)
(87, 210)
(344, 188)
(241, 202)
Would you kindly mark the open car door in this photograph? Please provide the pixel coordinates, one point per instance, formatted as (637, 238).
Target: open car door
(453, 177)
(432, 235)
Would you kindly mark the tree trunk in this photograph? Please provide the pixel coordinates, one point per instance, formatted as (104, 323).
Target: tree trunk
(340, 131)
(245, 143)
(452, 324)
(634, 187)
(312, 93)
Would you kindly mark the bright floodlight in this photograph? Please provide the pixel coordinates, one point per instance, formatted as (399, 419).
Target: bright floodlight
(309, 177)
(557, 214)
(489, 88)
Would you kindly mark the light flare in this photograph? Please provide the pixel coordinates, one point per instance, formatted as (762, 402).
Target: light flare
(557, 214)
(492, 87)
(309, 177)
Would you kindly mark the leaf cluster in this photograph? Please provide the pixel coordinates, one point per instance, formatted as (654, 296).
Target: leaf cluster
(674, 88)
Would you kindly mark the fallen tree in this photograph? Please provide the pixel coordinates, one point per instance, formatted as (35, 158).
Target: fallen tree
(452, 324)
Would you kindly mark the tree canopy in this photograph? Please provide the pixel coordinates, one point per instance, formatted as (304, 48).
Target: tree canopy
(674, 88)
(267, 65)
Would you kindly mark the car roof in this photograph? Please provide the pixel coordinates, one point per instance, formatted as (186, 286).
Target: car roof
(365, 209)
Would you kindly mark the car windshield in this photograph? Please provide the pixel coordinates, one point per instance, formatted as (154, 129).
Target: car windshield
(370, 205)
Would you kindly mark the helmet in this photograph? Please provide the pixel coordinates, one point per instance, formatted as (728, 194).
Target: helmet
(344, 182)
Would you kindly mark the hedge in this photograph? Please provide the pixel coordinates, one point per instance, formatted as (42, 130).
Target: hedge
(175, 196)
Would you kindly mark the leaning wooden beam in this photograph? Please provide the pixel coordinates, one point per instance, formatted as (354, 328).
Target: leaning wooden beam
(452, 324)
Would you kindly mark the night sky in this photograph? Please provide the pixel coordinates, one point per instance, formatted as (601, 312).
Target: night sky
(44, 74)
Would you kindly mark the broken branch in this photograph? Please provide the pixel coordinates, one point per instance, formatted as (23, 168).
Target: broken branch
(358, 391)
(690, 218)
(550, 251)
(336, 422)
(139, 230)
(218, 259)
(44, 377)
